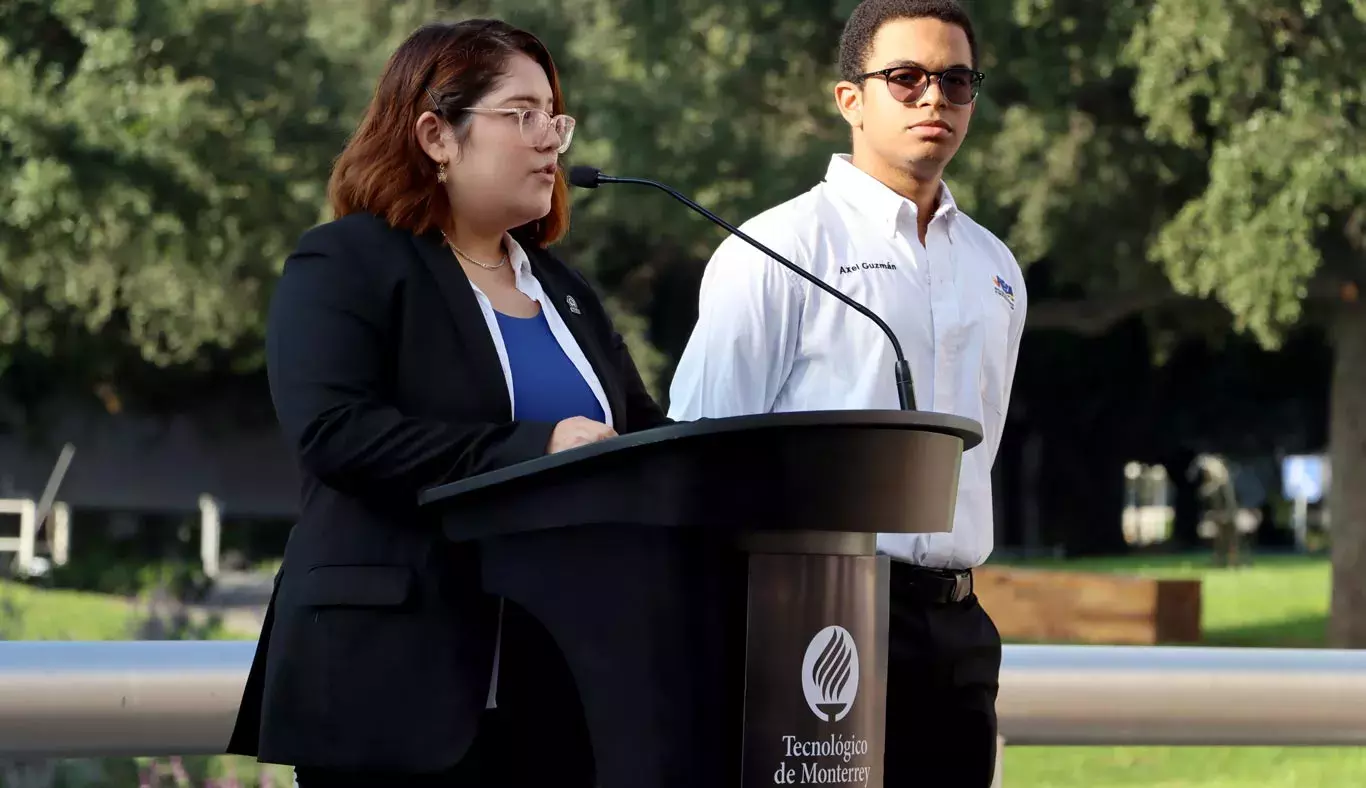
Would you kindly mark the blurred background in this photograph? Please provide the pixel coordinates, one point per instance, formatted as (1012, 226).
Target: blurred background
(1184, 183)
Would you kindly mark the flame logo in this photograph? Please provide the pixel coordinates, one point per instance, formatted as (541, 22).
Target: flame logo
(830, 673)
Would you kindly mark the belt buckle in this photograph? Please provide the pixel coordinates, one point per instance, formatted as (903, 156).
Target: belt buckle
(962, 586)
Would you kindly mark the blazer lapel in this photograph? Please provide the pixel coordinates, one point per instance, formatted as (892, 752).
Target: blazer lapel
(559, 290)
(470, 325)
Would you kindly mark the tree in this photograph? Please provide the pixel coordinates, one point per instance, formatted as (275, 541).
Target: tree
(158, 159)
(1270, 93)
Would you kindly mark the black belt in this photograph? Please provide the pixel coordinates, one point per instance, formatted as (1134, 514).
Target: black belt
(931, 586)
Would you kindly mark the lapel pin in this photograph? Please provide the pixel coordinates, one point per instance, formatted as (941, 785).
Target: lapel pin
(573, 305)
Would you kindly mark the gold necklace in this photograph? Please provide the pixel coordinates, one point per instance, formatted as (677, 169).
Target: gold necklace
(461, 253)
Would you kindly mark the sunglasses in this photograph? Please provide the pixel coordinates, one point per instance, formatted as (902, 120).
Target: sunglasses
(909, 83)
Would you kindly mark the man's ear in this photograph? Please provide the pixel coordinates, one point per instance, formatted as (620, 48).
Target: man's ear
(849, 100)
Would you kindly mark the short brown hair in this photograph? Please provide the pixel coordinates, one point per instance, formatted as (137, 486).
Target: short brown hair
(384, 170)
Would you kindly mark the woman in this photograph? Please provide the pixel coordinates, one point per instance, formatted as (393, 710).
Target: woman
(423, 336)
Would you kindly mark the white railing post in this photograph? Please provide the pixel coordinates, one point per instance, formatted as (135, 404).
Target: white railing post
(28, 535)
(209, 533)
(59, 534)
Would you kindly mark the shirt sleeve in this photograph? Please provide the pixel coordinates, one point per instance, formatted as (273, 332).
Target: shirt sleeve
(1016, 334)
(743, 345)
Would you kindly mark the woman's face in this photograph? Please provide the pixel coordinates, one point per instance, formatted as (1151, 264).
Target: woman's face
(504, 170)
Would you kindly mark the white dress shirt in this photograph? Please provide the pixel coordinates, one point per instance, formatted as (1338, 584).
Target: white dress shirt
(530, 286)
(766, 340)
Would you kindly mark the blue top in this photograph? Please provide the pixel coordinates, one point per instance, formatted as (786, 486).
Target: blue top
(546, 386)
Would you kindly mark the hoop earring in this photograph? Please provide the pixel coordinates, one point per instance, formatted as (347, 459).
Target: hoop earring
(441, 172)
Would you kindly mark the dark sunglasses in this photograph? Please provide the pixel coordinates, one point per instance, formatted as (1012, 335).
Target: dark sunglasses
(909, 83)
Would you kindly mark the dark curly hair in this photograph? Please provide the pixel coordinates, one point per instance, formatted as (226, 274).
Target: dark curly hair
(857, 40)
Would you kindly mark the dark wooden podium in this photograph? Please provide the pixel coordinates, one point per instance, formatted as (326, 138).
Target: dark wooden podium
(714, 585)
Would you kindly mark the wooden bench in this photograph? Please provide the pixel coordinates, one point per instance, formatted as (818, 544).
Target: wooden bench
(1053, 606)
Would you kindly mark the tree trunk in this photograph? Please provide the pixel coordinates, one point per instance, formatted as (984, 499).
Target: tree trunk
(1347, 493)
(1185, 500)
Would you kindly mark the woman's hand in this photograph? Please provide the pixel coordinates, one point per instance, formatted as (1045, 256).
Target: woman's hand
(578, 431)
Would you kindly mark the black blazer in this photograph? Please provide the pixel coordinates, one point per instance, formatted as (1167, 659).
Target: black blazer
(378, 642)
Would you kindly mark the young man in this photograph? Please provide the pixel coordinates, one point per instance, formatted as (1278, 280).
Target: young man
(883, 228)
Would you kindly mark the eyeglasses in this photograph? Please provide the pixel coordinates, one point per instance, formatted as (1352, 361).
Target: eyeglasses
(535, 124)
(909, 83)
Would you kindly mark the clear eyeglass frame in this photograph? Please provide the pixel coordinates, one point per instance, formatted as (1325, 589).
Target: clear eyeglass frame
(535, 124)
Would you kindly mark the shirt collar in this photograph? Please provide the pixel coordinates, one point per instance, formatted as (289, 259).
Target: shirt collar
(873, 197)
(522, 276)
(521, 264)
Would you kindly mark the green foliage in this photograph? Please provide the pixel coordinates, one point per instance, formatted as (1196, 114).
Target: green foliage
(157, 161)
(1271, 90)
(729, 102)
(634, 331)
(101, 571)
(1056, 161)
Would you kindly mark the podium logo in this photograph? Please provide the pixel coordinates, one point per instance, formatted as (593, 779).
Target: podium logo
(830, 673)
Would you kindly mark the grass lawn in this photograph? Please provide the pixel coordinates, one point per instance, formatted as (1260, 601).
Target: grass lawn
(28, 613)
(1183, 767)
(1278, 601)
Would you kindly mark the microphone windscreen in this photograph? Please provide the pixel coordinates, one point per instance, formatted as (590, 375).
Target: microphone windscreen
(584, 177)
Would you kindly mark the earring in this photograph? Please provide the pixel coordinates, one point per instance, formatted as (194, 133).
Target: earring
(441, 172)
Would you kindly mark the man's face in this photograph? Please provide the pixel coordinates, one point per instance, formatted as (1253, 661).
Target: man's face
(907, 119)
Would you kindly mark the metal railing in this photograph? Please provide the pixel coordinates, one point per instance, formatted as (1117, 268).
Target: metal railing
(142, 698)
(1136, 695)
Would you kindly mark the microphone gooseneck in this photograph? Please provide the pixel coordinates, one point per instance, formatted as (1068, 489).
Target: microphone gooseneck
(586, 177)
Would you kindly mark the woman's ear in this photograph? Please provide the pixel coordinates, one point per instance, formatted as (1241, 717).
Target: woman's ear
(432, 135)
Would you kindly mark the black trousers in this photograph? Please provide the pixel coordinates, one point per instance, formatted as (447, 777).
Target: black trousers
(536, 738)
(943, 668)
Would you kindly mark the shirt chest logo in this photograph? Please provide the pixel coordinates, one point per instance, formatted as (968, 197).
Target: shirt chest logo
(1004, 290)
(870, 266)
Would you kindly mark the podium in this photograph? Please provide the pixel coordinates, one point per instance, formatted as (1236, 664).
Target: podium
(715, 585)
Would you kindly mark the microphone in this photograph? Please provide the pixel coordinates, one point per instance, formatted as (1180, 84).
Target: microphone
(586, 177)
